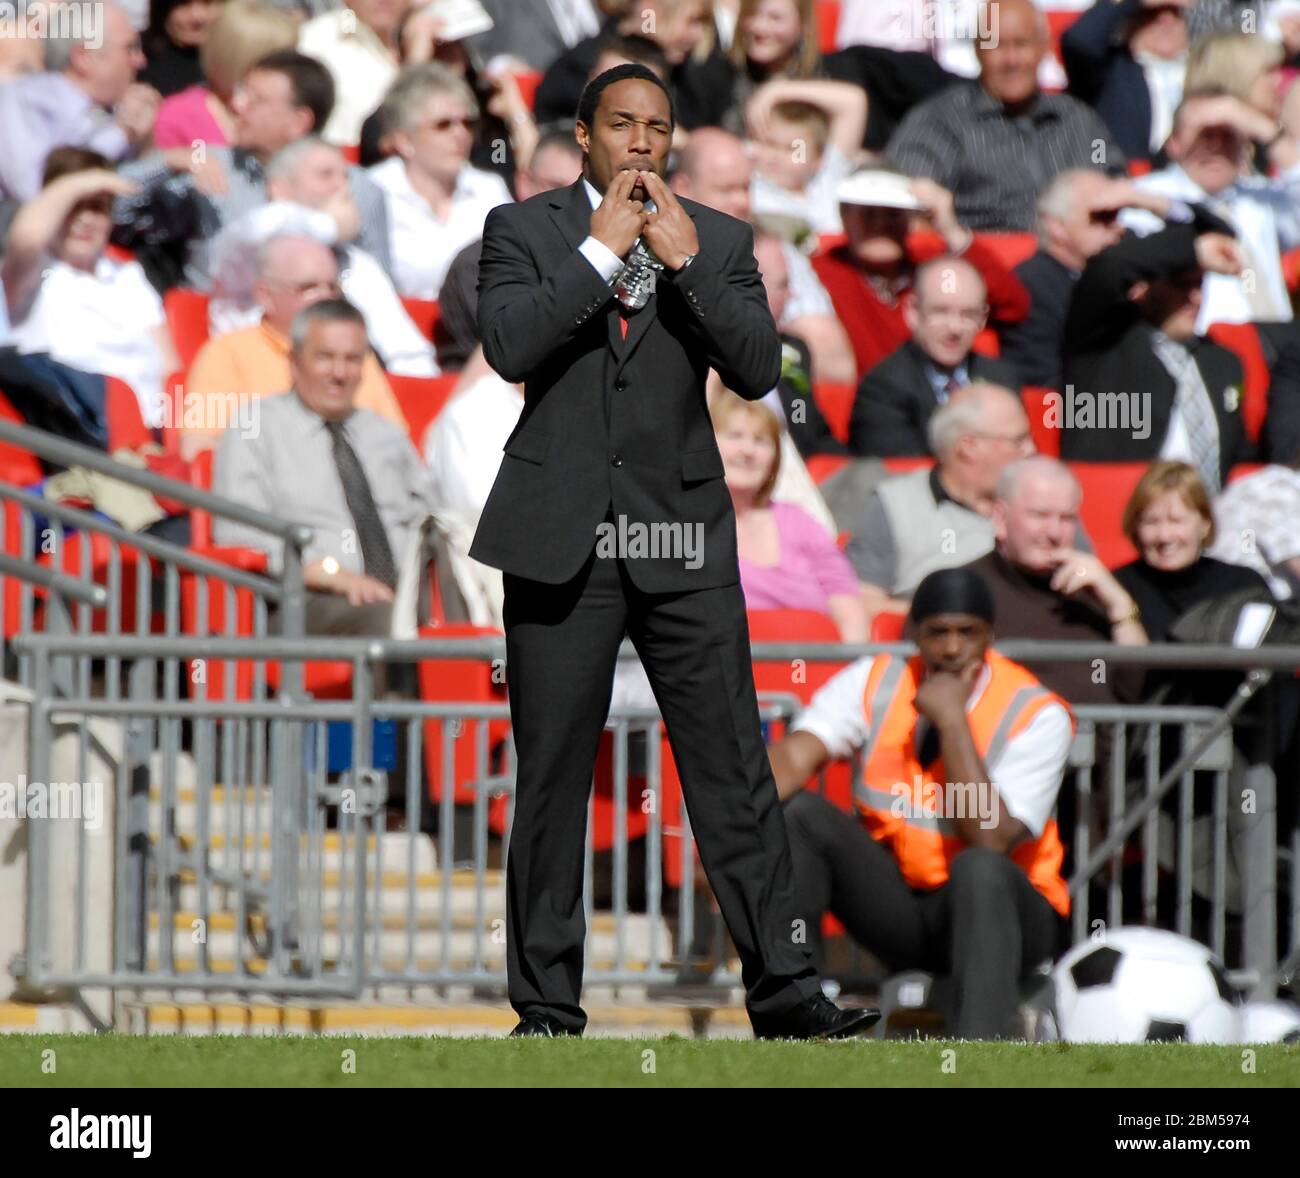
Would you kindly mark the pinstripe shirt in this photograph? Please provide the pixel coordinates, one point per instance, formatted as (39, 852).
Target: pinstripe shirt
(994, 164)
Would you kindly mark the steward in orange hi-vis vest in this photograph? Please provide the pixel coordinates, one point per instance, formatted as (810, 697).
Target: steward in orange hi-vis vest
(909, 806)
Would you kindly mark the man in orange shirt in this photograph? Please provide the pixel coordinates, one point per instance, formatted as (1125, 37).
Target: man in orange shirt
(955, 865)
(293, 272)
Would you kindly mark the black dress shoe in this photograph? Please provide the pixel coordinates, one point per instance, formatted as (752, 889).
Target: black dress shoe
(541, 1024)
(816, 1018)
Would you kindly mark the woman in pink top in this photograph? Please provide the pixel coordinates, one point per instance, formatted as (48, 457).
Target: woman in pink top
(787, 559)
(242, 34)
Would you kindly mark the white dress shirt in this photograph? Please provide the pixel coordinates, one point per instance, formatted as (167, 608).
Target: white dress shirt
(1027, 774)
(463, 444)
(99, 321)
(422, 247)
(1266, 215)
(362, 66)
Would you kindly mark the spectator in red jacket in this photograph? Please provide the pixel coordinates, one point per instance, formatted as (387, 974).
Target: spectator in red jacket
(869, 274)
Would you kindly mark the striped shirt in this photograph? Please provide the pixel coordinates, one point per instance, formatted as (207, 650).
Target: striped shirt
(994, 164)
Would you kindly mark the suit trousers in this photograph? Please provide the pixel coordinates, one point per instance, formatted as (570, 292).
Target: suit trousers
(988, 927)
(562, 644)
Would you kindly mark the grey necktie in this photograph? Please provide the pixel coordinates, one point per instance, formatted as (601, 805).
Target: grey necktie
(1192, 404)
(376, 553)
(635, 283)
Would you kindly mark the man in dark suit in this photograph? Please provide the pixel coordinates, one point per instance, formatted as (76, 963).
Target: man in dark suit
(948, 309)
(611, 313)
(1139, 383)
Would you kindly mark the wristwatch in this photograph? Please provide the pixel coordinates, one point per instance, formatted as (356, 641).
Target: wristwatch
(689, 259)
(330, 567)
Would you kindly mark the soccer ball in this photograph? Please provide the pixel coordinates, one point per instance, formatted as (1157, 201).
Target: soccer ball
(1142, 985)
(1270, 1022)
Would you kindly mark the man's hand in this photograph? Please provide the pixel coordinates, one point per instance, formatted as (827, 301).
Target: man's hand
(1218, 253)
(669, 230)
(942, 696)
(209, 176)
(362, 590)
(1077, 571)
(136, 113)
(1230, 111)
(938, 204)
(1117, 194)
(619, 220)
(342, 208)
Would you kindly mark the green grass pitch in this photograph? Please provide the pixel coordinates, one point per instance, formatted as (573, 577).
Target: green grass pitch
(87, 1061)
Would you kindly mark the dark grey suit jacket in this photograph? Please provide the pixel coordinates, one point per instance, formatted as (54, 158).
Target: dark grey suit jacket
(608, 421)
(895, 401)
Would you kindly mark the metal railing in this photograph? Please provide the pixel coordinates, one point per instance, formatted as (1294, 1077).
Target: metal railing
(260, 868)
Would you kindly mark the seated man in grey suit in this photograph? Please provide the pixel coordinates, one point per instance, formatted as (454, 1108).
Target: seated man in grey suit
(947, 310)
(316, 459)
(932, 519)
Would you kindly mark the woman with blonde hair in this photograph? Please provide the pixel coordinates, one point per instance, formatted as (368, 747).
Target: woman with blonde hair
(1169, 521)
(243, 33)
(787, 559)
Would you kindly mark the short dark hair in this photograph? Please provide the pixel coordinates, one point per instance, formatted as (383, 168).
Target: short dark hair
(66, 161)
(636, 48)
(590, 99)
(326, 311)
(310, 83)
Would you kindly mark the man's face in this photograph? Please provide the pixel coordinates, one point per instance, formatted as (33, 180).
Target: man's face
(319, 177)
(551, 168)
(106, 72)
(721, 179)
(787, 154)
(1009, 58)
(1003, 436)
(1039, 520)
(1093, 223)
(947, 312)
(441, 138)
(776, 274)
(296, 273)
(326, 369)
(84, 233)
(952, 642)
(266, 117)
(631, 131)
(1173, 304)
(1161, 30)
(1213, 156)
(877, 236)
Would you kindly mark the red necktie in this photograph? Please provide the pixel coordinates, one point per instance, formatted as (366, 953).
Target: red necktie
(622, 323)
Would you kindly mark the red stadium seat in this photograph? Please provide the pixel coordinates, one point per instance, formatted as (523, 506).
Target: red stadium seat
(126, 426)
(187, 320)
(425, 314)
(352, 153)
(827, 14)
(421, 399)
(1107, 487)
(1243, 340)
(1244, 470)
(905, 465)
(1010, 248)
(887, 626)
(17, 466)
(822, 466)
(528, 81)
(1047, 438)
(1138, 167)
(836, 403)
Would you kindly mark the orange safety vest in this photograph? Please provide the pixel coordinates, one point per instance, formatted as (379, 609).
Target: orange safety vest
(902, 801)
